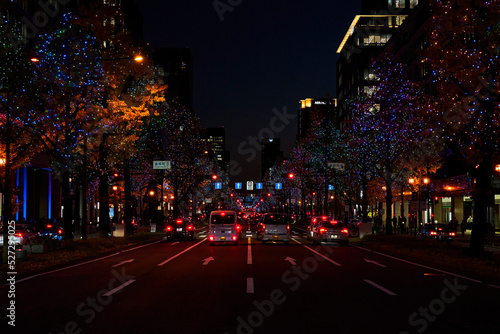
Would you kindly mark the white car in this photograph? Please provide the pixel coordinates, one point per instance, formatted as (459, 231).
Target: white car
(223, 227)
(276, 227)
(331, 231)
(22, 234)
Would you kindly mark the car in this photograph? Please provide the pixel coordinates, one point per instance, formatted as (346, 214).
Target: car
(180, 228)
(23, 233)
(54, 231)
(223, 227)
(313, 224)
(276, 227)
(437, 231)
(331, 231)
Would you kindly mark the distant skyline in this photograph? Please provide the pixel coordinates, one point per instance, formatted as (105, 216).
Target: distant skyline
(253, 62)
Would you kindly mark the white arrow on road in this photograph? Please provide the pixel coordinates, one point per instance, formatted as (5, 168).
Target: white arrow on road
(376, 263)
(207, 260)
(123, 262)
(292, 261)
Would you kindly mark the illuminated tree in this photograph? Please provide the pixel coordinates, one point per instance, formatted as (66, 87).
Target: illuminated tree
(70, 72)
(398, 135)
(464, 55)
(18, 95)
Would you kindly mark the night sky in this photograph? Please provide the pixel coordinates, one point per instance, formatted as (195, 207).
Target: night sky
(264, 55)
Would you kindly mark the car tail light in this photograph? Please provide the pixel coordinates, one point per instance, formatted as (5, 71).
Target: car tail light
(49, 226)
(169, 228)
(235, 238)
(190, 227)
(211, 238)
(452, 234)
(433, 233)
(179, 221)
(238, 227)
(19, 235)
(345, 231)
(288, 228)
(322, 230)
(59, 231)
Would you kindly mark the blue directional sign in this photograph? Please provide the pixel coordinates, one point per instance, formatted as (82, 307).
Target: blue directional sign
(279, 186)
(258, 186)
(218, 185)
(237, 185)
(330, 187)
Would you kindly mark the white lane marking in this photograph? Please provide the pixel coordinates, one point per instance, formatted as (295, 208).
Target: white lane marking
(178, 254)
(312, 250)
(389, 292)
(419, 265)
(174, 243)
(131, 249)
(73, 266)
(123, 262)
(109, 293)
(375, 263)
(250, 288)
(249, 252)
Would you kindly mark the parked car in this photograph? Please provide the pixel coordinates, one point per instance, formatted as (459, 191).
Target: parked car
(22, 234)
(331, 231)
(313, 224)
(54, 231)
(180, 228)
(276, 227)
(437, 231)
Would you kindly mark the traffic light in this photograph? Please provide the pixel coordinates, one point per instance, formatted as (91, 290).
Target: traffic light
(214, 177)
(291, 176)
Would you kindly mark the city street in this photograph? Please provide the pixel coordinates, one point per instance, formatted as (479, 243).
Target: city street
(191, 287)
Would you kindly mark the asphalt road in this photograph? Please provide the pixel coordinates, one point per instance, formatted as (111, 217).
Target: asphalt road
(191, 287)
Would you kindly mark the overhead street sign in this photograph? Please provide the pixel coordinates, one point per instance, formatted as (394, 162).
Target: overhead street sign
(164, 164)
(279, 186)
(237, 185)
(249, 185)
(337, 165)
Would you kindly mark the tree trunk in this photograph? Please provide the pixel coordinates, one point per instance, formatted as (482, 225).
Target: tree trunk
(104, 228)
(482, 198)
(68, 206)
(388, 204)
(128, 212)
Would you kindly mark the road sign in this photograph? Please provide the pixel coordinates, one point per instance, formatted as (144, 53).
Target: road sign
(279, 186)
(237, 185)
(330, 187)
(163, 164)
(218, 185)
(249, 185)
(337, 165)
(258, 186)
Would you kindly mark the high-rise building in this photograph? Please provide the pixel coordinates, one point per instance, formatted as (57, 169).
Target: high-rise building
(216, 143)
(364, 41)
(175, 66)
(270, 155)
(311, 109)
